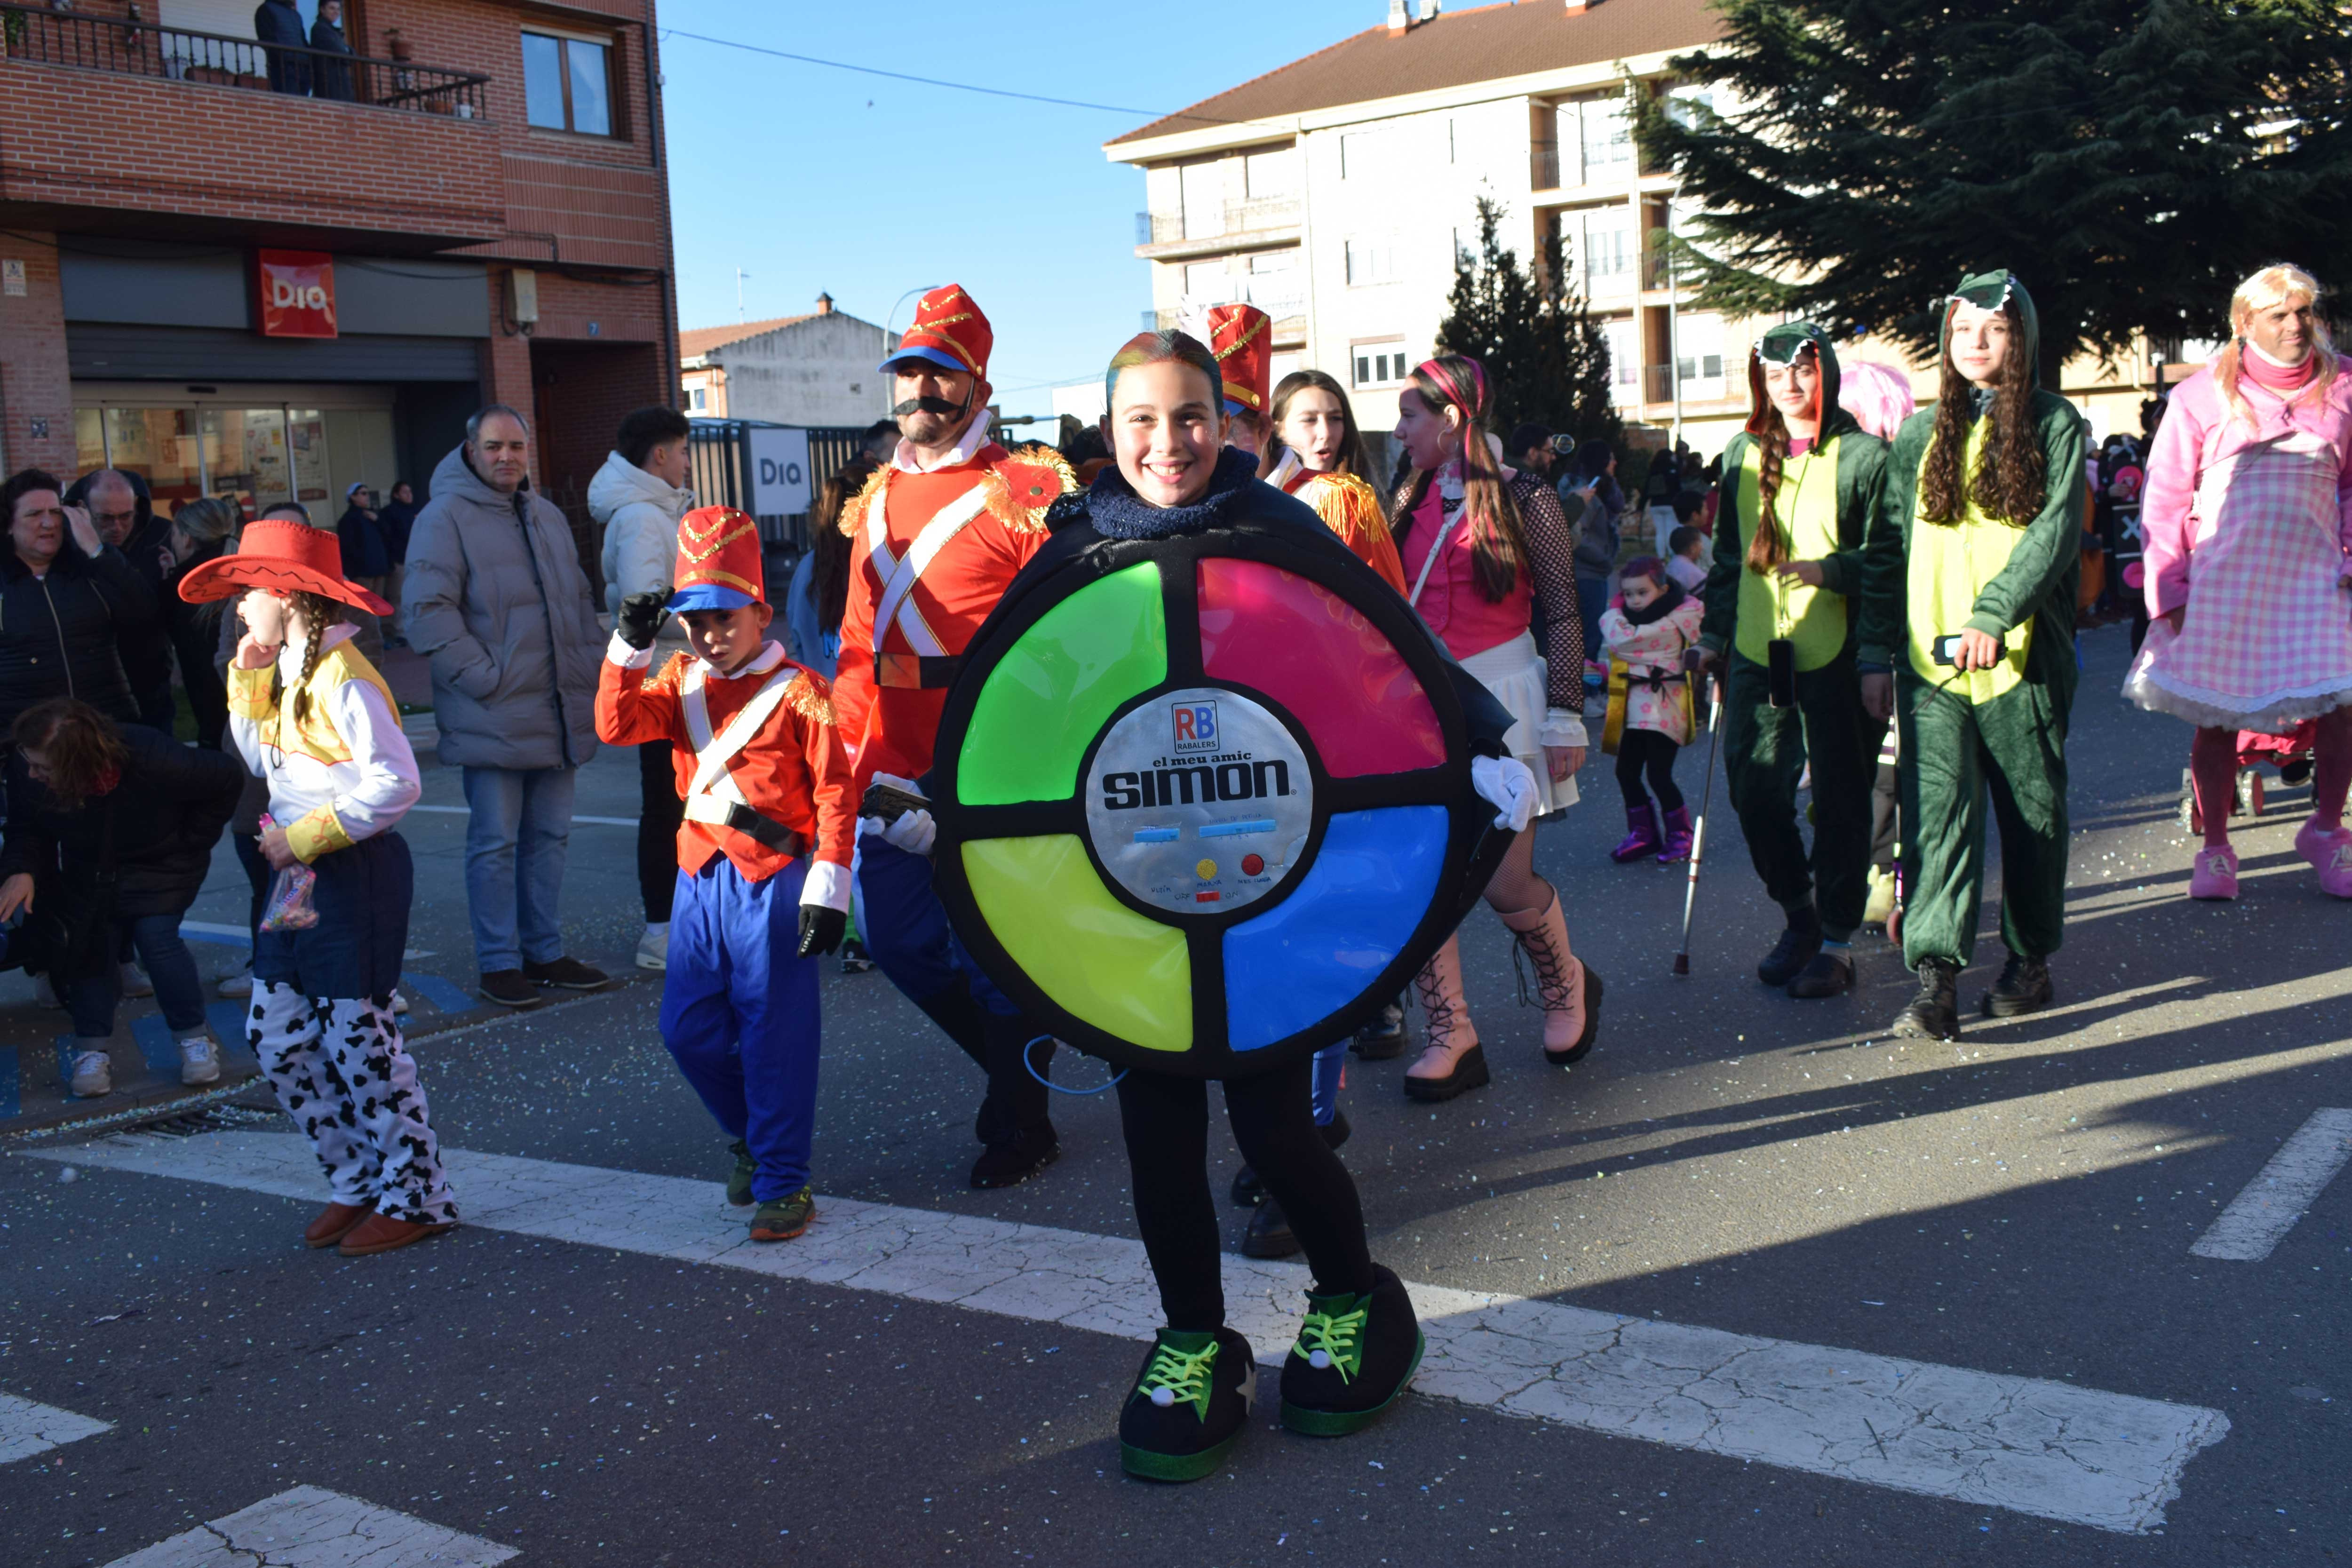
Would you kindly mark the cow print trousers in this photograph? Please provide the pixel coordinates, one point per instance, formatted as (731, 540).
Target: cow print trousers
(343, 1075)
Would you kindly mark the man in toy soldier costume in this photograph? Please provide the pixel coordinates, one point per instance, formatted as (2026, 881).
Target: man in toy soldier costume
(1798, 519)
(934, 537)
(1986, 490)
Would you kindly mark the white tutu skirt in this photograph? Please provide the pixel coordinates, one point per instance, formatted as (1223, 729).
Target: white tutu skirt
(1515, 672)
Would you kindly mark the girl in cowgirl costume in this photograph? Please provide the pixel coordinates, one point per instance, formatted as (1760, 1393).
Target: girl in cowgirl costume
(319, 724)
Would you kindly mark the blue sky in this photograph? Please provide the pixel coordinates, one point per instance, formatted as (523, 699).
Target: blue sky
(811, 179)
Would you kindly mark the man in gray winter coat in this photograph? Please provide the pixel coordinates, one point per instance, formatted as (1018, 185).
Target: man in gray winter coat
(496, 598)
(638, 496)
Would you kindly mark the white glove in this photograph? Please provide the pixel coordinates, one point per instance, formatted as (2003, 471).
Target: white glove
(1507, 782)
(914, 831)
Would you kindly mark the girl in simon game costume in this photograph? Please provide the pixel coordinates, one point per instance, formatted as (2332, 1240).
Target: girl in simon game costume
(319, 725)
(1482, 545)
(1986, 491)
(1360, 1341)
(1797, 537)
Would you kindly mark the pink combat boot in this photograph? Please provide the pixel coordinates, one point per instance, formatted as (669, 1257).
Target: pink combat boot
(1565, 984)
(1451, 1060)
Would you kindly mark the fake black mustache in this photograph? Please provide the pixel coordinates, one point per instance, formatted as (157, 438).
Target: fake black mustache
(926, 406)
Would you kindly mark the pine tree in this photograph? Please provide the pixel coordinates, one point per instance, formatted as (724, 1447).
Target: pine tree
(2129, 160)
(1546, 358)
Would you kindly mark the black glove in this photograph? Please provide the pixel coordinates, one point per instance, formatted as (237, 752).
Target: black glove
(820, 929)
(640, 617)
(1696, 659)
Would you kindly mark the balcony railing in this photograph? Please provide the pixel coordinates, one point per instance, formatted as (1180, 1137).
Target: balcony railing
(1250, 216)
(175, 54)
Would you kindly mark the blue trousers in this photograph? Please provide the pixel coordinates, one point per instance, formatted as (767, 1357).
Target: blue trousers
(739, 1014)
(906, 930)
(517, 832)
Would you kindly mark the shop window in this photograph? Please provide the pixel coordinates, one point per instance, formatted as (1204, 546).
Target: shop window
(567, 84)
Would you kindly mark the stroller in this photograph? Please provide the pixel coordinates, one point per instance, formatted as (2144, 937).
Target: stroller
(2290, 754)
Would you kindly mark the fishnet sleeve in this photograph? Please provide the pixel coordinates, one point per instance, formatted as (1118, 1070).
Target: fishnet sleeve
(1551, 548)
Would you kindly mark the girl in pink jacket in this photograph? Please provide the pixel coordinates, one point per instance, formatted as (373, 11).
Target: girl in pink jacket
(1650, 705)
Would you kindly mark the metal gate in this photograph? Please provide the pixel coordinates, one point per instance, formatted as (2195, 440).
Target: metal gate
(720, 453)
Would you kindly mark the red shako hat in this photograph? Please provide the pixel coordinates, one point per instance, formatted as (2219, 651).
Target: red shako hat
(284, 557)
(1242, 337)
(718, 562)
(948, 330)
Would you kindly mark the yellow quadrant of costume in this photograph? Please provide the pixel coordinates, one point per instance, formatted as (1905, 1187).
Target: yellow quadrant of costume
(1109, 965)
(1950, 565)
(1775, 607)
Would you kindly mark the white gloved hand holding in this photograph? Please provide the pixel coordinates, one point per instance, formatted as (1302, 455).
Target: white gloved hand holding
(914, 831)
(1507, 782)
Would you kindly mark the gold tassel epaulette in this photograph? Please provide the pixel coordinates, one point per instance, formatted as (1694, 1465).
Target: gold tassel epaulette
(1031, 479)
(810, 697)
(1349, 506)
(852, 511)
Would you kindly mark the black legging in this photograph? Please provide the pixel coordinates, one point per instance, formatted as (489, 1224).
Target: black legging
(1167, 1122)
(659, 813)
(1640, 749)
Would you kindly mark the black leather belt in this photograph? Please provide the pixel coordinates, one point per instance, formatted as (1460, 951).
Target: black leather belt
(912, 671)
(750, 824)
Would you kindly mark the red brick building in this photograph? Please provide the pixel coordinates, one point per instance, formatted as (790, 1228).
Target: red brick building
(262, 273)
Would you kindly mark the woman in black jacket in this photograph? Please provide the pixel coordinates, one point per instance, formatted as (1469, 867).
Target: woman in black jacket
(112, 827)
(63, 593)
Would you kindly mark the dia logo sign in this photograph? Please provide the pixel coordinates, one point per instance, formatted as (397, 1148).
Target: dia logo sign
(1195, 725)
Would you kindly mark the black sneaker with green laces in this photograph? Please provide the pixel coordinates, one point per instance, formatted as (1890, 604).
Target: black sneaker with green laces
(1354, 1356)
(739, 1179)
(1188, 1406)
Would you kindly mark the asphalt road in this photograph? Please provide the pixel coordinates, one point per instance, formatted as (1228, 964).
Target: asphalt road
(2022, 1203)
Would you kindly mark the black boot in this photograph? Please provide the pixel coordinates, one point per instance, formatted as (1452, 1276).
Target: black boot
(1796, 948)
(1935, 1013)
(1354, 1356)
(1248, 1191)
(2023, 987)
(1383, 1038)
(1014, 1123)
(1829, 975)
(1188, 1404)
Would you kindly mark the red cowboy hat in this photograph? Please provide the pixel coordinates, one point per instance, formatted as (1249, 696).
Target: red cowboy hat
(285, 557)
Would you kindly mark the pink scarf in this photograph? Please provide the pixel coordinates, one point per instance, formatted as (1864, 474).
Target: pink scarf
(2272, 376)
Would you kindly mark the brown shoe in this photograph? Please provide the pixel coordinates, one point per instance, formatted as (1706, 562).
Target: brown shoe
(335, 1222)
(381, 1233)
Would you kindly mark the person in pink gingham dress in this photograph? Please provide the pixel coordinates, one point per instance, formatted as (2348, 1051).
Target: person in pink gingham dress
(2247, 524)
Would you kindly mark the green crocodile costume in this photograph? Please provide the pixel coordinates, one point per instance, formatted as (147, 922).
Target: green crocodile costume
(1827, 510)
(2000, 730)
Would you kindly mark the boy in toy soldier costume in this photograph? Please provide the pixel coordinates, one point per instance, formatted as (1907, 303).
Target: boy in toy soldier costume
(763, 854)
(1986, 492)
(934, 537)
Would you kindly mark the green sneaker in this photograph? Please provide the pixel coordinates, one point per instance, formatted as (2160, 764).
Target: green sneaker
(1190, 1404)
(1355, 1356)
(781, 1220)
(739, 1179)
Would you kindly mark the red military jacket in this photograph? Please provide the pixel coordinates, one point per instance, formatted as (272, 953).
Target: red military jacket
(930, 555)
(785, 761)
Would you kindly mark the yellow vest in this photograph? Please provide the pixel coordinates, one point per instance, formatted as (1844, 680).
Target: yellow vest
(1774, 606)
(315, 736)
(1950, 565)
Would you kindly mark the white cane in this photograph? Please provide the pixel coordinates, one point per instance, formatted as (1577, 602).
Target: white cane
(1698, 828)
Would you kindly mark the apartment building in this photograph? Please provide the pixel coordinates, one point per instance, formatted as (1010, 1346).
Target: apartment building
(1335, 192)
(271, 273)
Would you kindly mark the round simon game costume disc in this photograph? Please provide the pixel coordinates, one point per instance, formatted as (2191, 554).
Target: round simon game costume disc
(1205, 803)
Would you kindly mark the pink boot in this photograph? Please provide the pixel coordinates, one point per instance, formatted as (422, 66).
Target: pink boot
(1451, 1060)
(1641, 834)
(1678, 836)
(2330, 850)
(1569, 991)
(2213, 874)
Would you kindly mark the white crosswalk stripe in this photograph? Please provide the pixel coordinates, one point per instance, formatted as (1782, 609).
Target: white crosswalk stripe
(2258, 1217)
(2054, 1449)
(311, 1527)
(27, 1428)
